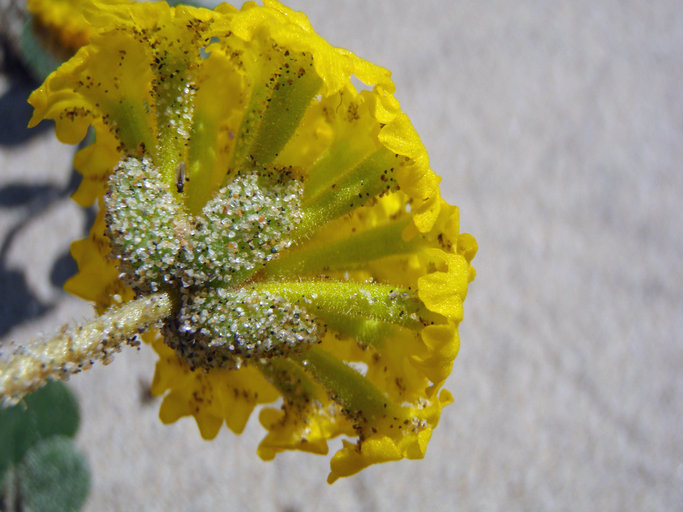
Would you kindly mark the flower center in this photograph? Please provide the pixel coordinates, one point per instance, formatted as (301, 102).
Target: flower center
(208, 260)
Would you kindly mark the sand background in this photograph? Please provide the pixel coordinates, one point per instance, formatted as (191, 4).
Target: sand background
(558, 130)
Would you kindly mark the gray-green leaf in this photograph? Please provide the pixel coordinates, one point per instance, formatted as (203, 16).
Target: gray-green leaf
(53, 476)
(50, 411)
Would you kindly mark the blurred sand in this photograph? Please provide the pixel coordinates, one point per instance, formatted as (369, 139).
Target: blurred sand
(558, 130)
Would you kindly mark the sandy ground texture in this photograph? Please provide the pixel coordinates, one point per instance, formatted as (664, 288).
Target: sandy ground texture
(558, 130)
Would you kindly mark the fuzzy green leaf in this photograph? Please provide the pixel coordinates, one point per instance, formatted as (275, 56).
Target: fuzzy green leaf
(50, 411)
(54, 475)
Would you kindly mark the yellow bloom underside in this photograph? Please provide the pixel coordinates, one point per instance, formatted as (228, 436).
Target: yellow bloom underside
(223, 90)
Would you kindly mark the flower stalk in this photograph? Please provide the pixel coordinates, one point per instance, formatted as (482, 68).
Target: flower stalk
(73, 349)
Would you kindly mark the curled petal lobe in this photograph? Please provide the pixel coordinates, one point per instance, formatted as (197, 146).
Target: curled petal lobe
(444, 292)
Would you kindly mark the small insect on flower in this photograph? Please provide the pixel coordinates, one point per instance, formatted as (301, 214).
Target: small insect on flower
(180, 177)
(312, 258)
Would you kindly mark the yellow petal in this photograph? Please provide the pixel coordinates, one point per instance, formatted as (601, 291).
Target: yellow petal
(210, 397)
(443, 292)
(65, 20)
(353, 458)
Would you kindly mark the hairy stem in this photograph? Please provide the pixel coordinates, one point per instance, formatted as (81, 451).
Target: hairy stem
(73, 349)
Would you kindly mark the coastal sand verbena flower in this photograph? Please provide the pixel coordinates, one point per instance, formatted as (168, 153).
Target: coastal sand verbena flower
(291, 221)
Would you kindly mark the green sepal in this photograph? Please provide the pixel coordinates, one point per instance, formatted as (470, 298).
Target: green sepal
(383, 302)
(369, 179)
(361, 400)
(351, 252)
(275, 109)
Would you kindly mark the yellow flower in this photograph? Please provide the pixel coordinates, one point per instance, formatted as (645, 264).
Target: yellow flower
(63, 20)
(294, 219)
